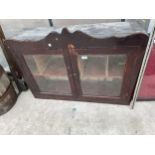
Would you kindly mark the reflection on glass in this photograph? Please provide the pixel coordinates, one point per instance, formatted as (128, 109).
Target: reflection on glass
(50, 73)
(101, 75)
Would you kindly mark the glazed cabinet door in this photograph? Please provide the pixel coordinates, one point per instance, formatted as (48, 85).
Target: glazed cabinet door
(105, 74)
(47, 72)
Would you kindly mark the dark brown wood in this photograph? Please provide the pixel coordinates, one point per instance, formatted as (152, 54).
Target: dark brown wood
(15, 71)
(8, 100)
(8, 95)
(70, 45)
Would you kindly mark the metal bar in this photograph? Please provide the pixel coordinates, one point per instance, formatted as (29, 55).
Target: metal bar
(142, 70)
(50, 22)
(122, 20)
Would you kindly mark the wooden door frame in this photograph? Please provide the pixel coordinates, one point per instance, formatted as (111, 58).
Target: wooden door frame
(79, 40)
(127, 84)
(29, 78)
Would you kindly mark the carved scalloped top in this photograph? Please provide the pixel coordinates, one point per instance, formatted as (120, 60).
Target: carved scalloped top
(101, 30)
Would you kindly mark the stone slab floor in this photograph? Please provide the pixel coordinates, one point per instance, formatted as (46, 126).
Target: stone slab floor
(39, 116)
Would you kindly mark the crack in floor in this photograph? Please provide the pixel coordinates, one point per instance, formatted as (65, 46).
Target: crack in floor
(72, 116)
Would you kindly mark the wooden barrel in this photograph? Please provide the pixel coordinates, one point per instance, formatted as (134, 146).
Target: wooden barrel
(8, 95)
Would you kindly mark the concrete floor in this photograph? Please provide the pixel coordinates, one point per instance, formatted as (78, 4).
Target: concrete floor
(39, 116)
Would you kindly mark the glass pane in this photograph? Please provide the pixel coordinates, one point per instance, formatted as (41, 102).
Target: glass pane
(50, 73)
(101, 75)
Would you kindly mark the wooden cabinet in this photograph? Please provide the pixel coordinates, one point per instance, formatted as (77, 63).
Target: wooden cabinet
(78, 66)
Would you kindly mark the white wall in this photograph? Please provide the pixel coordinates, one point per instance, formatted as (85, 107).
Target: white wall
(151, 25)
(16, 26)
(67, 22)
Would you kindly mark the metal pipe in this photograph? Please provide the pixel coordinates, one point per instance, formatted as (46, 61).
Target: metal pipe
(50, 22)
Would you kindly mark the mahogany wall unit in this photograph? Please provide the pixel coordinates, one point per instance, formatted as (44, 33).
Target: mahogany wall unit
(98, 63)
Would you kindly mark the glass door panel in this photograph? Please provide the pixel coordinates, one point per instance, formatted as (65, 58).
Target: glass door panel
(101, 75)
(49, 72)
